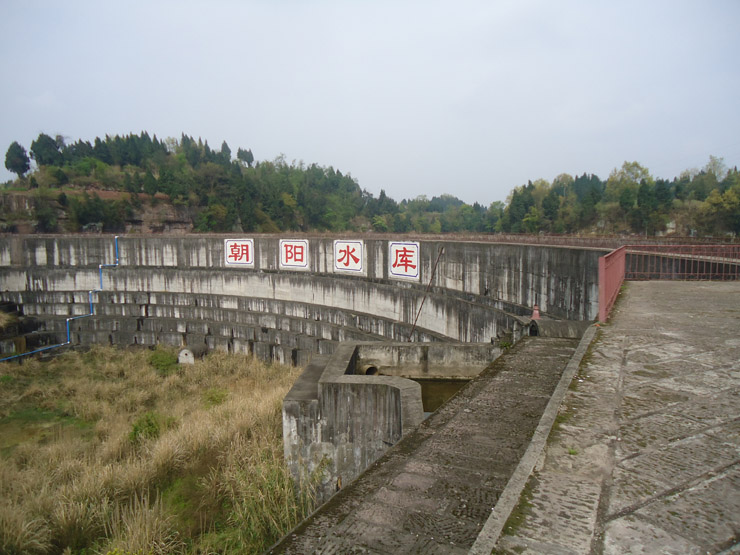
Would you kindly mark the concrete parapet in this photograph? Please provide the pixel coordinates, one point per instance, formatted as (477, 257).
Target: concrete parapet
(562, 281)
(339, 423)
(459, 361)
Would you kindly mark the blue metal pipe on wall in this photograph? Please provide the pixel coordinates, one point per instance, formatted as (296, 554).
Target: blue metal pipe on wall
(92, 311)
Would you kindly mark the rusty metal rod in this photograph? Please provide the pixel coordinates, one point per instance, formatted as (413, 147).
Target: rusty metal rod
(429, 285)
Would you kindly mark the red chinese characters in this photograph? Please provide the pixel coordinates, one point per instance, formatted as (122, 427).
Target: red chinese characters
(239, 252)
(349, 256)
(294, 253)
(404, 260)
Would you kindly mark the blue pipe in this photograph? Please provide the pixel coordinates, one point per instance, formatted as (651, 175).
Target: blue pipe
(92, 311)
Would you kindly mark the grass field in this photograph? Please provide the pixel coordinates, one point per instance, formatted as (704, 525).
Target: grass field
(126, 452)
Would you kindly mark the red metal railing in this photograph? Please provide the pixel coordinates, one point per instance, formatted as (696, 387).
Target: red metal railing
(664, 262)
(611, 276)
(683, 262)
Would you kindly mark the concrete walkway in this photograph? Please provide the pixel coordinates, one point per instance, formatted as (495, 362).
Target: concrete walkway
(646, 456)
(434, 491)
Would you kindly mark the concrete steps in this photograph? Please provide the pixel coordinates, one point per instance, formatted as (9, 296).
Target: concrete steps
(22, 333)
(287, 332)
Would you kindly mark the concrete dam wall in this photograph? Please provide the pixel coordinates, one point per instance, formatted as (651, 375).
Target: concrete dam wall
(286, 299)
(296, 300)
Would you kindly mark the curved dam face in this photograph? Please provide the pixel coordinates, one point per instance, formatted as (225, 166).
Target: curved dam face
(286, 299)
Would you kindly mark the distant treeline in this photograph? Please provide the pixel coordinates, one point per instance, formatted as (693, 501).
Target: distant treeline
(225, 192)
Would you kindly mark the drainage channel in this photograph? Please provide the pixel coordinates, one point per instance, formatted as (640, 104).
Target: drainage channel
(436, 392)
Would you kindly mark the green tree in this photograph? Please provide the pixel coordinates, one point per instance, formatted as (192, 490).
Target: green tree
(568, 215)
(711, 213)
(493, 215)
(150, 183)
(101, 151)
(225, 153)
(518, 207)
(85, 210)
(627, 199)
(663, 196)
(550, 207)
(16, 159)
(716, 166)
(563, 183)
(245, 156)
(45, 214)
(214, 218)
(531, 221)
(45, 151)
(627, 177)
(720, 212)
(645, 216)
(60, 176)
(702, 185)
(731, 207)
(379, 224)
(115, 214)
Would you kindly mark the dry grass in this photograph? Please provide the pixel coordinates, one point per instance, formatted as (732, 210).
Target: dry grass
(5, 319)
(103, 452)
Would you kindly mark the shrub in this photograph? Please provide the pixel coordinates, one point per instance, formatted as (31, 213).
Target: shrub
(21, 534)
(145, 427)
(76, 523)
(165, 362)
(214, 396)
(142, 526)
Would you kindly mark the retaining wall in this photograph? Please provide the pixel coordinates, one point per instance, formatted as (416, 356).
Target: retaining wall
(186, 292)
(337, 421)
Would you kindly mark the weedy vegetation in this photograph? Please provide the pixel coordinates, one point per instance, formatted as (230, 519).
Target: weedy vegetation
(5, 319)
(111, 451)
(523, 508)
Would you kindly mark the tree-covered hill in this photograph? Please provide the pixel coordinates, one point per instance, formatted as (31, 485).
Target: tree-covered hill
(211, 190)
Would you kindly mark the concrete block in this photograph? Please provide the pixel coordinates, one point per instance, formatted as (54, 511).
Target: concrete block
(281, 354)
(240, 346)
(306, 343)
(200, 328)
(262, 351)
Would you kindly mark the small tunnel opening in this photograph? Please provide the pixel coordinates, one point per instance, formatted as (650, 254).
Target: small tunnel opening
(371, 371)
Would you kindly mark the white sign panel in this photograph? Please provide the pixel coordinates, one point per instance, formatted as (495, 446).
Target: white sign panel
(293, 254)
(349, 256)
(239, 252)
(403, 261)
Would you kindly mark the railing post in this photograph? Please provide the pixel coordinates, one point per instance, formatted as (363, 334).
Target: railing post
(603, 311)
(611, 275)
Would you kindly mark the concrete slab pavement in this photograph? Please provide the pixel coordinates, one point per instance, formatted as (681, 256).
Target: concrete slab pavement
(646, 454)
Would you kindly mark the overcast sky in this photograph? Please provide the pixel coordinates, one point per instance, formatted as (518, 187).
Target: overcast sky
(470, 98)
